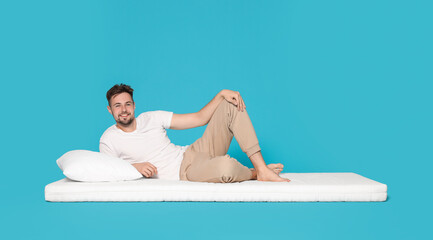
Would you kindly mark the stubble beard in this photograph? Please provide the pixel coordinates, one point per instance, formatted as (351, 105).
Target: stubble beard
(125, 123)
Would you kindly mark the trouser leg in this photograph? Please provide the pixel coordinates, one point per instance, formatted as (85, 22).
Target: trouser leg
(207, 160)
(219, 169)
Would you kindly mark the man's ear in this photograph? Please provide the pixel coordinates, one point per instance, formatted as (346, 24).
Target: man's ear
(109, 110)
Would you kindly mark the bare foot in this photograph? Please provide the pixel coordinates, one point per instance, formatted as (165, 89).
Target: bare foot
(276, 167)
(270, 174)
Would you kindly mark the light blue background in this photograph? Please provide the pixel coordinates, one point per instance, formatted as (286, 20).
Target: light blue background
(330, 86)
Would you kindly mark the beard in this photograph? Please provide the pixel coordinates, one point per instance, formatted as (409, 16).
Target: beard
(125, 123)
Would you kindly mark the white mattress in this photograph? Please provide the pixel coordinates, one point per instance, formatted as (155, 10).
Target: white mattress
(304, 187)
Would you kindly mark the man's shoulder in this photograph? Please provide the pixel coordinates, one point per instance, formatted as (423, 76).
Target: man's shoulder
(152, 115)
(144, 114)
(157, 113)
(159, 117)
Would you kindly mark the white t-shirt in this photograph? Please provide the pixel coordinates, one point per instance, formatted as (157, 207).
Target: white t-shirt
(148, 143)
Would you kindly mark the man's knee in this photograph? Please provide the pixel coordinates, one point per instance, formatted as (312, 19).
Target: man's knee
(229, 105)
(226, 104)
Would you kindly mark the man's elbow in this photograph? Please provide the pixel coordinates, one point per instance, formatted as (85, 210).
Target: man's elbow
(200, 120)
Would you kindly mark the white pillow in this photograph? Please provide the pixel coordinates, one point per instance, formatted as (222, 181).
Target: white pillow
(89, 166)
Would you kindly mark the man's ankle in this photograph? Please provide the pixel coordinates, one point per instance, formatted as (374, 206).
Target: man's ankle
(262, 169)
(253, 174)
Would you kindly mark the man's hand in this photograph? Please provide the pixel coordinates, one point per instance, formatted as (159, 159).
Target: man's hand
(234, 98)
(147, 169)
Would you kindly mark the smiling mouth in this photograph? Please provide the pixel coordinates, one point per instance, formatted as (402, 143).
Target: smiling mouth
(124, 115)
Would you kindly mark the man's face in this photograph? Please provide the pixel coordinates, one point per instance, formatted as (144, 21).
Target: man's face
(122, 108)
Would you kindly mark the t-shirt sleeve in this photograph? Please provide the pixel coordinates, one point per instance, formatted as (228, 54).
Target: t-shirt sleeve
(163, 118)
(105, 147)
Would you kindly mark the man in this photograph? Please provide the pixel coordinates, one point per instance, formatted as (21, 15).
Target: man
(144, 143)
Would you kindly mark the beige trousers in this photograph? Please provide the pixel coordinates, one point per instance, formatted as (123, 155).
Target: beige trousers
(206, 160)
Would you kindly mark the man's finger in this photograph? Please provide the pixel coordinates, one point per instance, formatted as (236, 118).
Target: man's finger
(152, 170)
(243, 104)
(151, 167)
(147, 172)
(234, 101)
(155, 171)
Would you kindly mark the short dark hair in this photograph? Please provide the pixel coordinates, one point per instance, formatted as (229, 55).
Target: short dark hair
(117, 89)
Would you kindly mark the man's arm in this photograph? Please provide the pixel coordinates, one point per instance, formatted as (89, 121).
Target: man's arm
(202, 117)
(197, 119)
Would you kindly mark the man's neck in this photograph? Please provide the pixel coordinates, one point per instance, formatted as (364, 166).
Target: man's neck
(129, 128)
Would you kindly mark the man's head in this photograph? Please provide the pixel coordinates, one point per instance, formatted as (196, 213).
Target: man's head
(121, 105)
